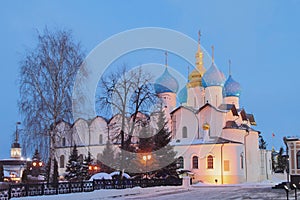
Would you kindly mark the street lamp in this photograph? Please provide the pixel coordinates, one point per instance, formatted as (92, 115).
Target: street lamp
(145, 158)
(294, 187)
(286, 188)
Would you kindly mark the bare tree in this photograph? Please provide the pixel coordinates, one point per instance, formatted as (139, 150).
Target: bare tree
(127, 93)
(46, 79)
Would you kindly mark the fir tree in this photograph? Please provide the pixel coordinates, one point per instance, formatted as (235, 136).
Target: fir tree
(145, 141)
(281, 161)
(37, 167)
(73, 165)
(36, 155)
(85, 167)
(164, 152)
(262, 143)
(1, 173)
(107, 160)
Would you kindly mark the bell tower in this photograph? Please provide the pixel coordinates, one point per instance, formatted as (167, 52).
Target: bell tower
(15, 151)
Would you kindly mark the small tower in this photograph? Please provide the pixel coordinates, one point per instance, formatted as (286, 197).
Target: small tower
(15, 151)
(231, 90)
(195, 90)
(166, 87)
(213, 81)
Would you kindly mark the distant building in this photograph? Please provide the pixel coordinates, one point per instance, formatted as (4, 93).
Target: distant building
(293, 151)
(216, 137)
(15, 165)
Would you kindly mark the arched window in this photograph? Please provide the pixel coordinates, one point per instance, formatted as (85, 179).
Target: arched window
(180, 162)
(298, 160)
(242, 160)
(210, 162)
(62, 161)
(195, 162)
(184, 132)
(100, 139)
(63, 141)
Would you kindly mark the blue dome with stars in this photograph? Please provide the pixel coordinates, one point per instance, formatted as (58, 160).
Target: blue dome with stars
(231, 88)
(166, 83)
(213, 77)
(182, 95)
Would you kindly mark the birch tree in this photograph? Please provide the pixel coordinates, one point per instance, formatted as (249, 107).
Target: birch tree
(126, 93)
(47, 75)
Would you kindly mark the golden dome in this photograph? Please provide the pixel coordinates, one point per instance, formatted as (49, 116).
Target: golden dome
(206, 126)
(195, 77)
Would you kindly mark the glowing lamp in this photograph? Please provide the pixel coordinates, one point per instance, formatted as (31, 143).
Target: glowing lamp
(148, 157)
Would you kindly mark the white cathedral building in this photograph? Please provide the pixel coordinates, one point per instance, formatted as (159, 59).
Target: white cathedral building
(214, 135)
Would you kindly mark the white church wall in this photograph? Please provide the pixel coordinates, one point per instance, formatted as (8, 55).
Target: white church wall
(252, 156)
(115, 126)
(236, 135)
(98, 131)
(62, 157)
(64, 134)
(232, 100)
(169, 102)
(214, 118)
(265, 164)
(230, 117)
(184, 118)
(231, 157)
(196, 97)
(214, 95)
(80, 133)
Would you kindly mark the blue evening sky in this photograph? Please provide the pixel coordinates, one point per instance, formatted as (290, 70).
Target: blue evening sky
(261, 37)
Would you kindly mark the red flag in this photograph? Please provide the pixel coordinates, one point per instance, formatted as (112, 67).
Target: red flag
(273, 135)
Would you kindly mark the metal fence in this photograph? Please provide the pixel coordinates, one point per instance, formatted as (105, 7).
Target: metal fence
(38, 189)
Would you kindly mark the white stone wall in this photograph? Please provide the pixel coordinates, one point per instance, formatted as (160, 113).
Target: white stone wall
(196, 97)
(185, 118)
(215, 119)
(98, 130)
(214, 95)
(229, 153)
(252, 157)
(232, 100)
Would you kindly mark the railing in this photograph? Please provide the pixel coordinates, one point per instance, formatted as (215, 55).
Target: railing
(38, 189)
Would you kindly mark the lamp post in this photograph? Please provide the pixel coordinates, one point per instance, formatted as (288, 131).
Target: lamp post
(286, 188)
(146, 158)
(294, 187)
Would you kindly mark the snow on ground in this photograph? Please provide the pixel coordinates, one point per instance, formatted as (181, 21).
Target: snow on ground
(174, 192)
(262, 190)
(106, 194)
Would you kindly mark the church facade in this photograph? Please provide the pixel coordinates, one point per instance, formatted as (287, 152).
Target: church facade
(214, 137)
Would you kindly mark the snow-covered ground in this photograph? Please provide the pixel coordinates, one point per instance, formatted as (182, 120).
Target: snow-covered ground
(166, 193)
(261, 190)
(108, 194)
